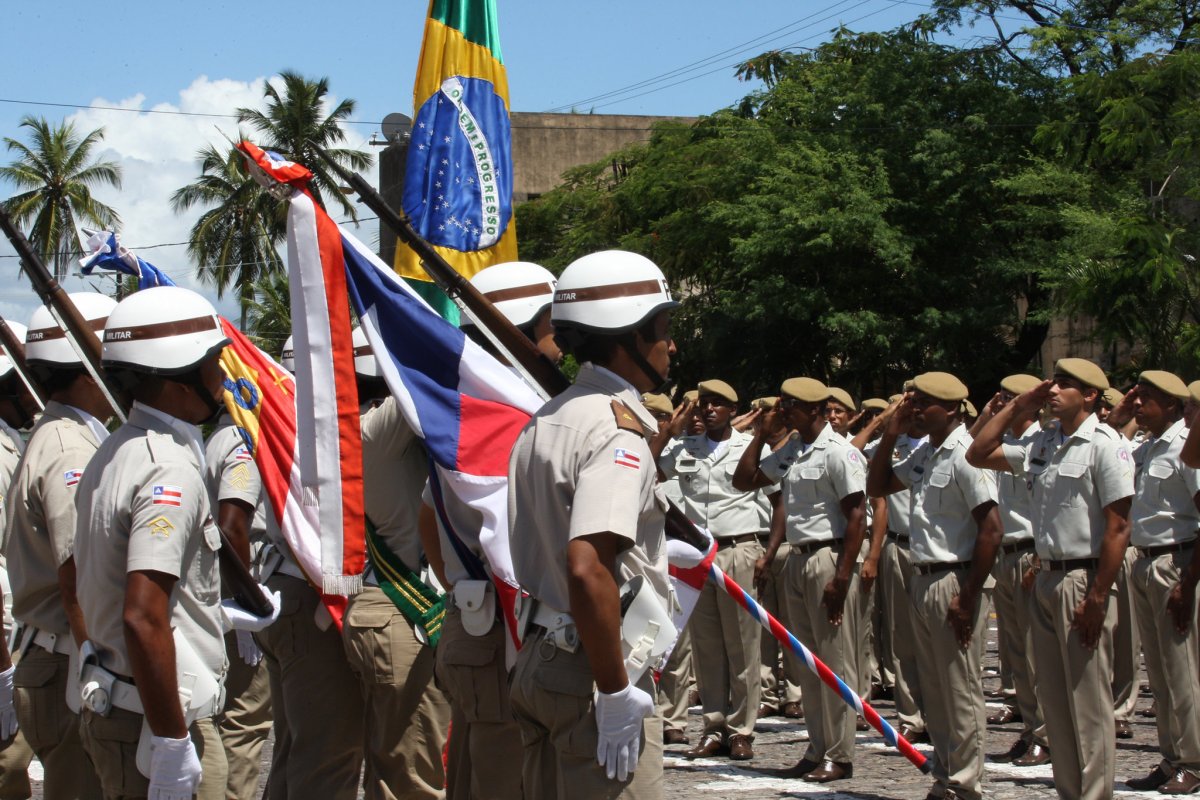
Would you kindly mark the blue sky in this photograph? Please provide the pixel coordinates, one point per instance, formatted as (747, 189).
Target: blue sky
(210, 58)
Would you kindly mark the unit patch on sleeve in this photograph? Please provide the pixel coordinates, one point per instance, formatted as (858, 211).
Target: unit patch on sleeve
(165, 495)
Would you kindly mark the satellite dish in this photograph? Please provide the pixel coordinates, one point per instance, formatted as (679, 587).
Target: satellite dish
(396, 126)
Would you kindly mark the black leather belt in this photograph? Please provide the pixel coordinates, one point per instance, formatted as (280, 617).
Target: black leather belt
(1016, 547)
(1068, 564)
(805, 548)
(940, 566)
(1164, 549)
(730, 541)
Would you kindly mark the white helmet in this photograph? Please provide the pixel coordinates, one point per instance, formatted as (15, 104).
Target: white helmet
(287, 357)
(46, 343)
(6, 365)
(166, 330)
(519, 290)
(364, 357)
(610, 292)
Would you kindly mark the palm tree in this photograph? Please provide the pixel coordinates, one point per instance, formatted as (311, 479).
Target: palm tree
(58, 175)
(234, 241)
(293, 123)
(269, 321)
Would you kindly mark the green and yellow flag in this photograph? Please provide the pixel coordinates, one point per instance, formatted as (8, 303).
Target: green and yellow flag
(459, 179)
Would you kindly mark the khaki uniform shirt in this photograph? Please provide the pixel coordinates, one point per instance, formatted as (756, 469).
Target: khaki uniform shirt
(143, 506)
(577, 469)
(899, 504)
(11, 448)
(230, 473)
(706, 484)
(945, 490)
(1163, 510)
(395, 469)
(1073, 478)
(1014, 496)
(815, 479)
(41, 514)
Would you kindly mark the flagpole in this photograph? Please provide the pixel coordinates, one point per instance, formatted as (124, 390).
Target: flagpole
(827, 676)
(14, 348)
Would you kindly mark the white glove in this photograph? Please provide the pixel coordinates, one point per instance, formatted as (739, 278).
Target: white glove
(682, 555)
(248, 648)
(619, 721)
(8, 712)
(174, 768)
(239, 619)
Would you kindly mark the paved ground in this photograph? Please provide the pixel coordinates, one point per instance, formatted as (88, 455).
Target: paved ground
(879, 772)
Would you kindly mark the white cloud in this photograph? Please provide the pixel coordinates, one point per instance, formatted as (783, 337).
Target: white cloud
(157, 155)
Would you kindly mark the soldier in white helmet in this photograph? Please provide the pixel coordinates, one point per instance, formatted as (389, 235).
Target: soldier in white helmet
(40, 520)
(484, 757)
(146, 553)
(587, 518)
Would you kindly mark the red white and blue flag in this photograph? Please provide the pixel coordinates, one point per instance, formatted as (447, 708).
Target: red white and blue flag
(72, 476)
(627, 458)
(165, 495)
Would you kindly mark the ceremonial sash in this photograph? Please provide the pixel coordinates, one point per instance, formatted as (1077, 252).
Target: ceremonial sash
(419, 603)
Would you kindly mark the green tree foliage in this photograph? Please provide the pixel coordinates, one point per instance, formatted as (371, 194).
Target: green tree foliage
(55, 175)
(234, 241)
(269, 315)
(863, 218)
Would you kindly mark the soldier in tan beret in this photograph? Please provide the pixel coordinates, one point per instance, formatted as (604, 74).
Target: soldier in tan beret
(822, 515)
(956, 531)
(725, 639)
(840, 410)
(1163, 520)
(1081, 476)
(1011, 599)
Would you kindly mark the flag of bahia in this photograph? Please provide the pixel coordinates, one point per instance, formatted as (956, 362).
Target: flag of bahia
(459, 178)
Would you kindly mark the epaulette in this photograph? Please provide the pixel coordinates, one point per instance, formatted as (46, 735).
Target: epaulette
(626, 419)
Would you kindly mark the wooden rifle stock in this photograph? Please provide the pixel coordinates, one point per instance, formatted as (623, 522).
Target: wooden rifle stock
(516, 345)
(14, 348)
(241, 583)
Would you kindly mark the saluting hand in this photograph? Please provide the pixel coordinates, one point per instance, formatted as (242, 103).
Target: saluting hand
(743, 422)
(680, 417)
(1032, 401)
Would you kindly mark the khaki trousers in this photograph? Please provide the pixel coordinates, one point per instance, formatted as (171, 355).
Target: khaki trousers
(553, 701)
(1012, 619)
(112, 744)
(895, 576)
(725, 642)
(857, 618)
(316, 700)
(407, 717)
(1127, 645)
(484, 758)
(955, 712)
(778, 688)
(15, 756)
(1074, 687)
(51, 728)
(245, 723)
(675, 682)
(1171, 660)
(830, 721)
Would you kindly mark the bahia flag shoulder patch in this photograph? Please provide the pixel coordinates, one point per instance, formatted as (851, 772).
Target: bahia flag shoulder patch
(71, 477)
(165, 495)
(627, 458)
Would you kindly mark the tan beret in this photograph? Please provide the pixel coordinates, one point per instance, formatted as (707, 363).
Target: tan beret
(896, 396)
(806, 390)
(691, 397)
(877, 403)
(1112, 397)
(719, 388)
(908, 385)
(657, 403)
(1194, 390)
(843, 397)
(1020, 383)
(940, 385)
(1086, 372)
(765, 402)
(1168, 382)
(969, 408)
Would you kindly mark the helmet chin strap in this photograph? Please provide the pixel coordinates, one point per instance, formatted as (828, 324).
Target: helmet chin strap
(193, 380)
(629, 343)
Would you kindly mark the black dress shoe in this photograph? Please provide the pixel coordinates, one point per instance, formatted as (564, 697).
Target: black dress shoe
(799, 769)
(709, 745)
(913, 736)
(1019, 748)
(830, 771)
(1004, 716)
(1124, 731)
(1035, 756)
(674, 736)
(1154, 779)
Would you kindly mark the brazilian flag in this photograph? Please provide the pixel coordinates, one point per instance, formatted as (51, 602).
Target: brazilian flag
(459, 178)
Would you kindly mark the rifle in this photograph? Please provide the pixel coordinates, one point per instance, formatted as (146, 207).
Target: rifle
(537, 369)
(241, 583)
(14, 348)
